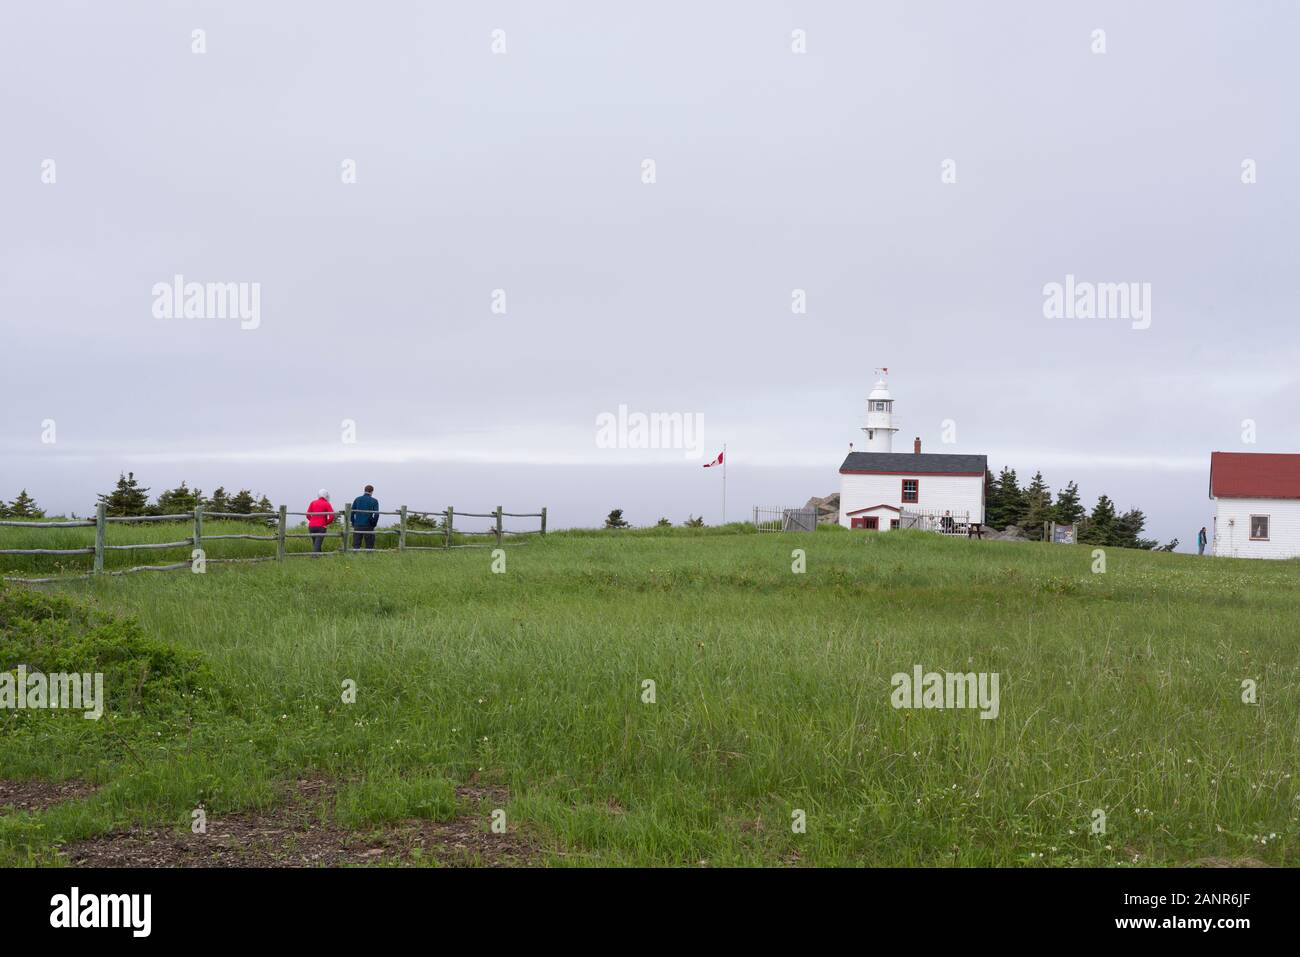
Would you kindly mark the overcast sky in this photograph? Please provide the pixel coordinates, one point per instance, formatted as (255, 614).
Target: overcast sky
(774, 170)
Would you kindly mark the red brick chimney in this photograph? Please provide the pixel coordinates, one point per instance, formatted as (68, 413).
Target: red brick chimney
(916, 445)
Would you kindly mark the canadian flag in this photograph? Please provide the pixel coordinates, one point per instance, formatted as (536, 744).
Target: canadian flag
(717, 461)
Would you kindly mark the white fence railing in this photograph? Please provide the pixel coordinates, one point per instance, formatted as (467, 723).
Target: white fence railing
(943, 521)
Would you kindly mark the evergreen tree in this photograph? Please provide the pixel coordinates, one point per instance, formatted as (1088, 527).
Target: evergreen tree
(1008, 505)
(663, 523)
(992, 499)
(1128, 531)
(24, 506)
(242, 503)
(615, 519)
(1038, 508)
(1068, 510)
(426, 520)
(127, 498)
(264, 505)
(694, 521)
(219, 502)
(176, 500)
(1100, 527)
(4, 509)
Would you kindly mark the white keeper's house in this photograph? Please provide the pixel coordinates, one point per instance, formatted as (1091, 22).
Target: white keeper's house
(1256, 504)
(882, 489)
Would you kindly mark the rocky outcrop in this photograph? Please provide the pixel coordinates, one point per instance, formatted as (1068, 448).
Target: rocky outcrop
(1011, 533)
(828, 508)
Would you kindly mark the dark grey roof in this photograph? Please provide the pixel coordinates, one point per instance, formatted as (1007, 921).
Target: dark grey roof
(897, 462)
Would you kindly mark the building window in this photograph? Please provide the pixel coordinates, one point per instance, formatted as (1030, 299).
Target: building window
(1259, 528)
(911, 491)
(893, 523)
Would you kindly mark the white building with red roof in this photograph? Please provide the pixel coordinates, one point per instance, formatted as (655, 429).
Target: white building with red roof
(1256, 504)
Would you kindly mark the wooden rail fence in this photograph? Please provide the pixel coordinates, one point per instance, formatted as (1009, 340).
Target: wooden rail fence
(345, 530)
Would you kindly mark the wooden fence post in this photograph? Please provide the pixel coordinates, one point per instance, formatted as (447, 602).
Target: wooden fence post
(100, 524)
(401, 530)
(347, 523)
(198, 529)
(543, 519)
(447, 524)
(279, 533)
(498, 526)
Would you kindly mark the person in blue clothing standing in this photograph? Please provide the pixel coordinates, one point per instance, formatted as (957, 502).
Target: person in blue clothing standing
(365, 516)
(1200, 541)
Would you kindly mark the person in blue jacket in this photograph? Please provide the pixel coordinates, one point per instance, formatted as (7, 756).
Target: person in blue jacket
(365, 516)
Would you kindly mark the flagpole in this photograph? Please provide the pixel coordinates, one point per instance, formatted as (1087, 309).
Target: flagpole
(724, 483)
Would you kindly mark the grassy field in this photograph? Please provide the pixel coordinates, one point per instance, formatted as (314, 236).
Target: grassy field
(1119, 691)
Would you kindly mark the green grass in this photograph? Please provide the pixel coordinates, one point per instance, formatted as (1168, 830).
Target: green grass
(1119, 691)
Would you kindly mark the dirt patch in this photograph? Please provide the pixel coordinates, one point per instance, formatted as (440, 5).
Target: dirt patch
(1226, 862)
(38, 795)
(300, 833)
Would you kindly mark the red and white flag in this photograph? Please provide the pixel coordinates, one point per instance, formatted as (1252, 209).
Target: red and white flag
(717, 461)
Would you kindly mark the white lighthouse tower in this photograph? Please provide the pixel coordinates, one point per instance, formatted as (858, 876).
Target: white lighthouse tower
(880, 419)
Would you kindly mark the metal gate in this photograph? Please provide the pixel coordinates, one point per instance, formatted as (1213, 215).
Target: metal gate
(935, 520)
(774, 518)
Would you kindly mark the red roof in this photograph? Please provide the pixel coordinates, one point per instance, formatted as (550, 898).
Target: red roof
(1254, 475)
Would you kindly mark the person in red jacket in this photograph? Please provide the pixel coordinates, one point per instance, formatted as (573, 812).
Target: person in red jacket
(320, 515)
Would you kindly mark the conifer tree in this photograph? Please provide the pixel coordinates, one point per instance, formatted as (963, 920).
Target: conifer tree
(24, 506)
(1008, 505)
(1100, 527)
(992, 499)
(127, 498)
(176, 500)
(1038, 508)
(1068, 510)
(1128, 531)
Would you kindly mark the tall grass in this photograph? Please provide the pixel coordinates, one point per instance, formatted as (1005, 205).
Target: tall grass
(1120, 692)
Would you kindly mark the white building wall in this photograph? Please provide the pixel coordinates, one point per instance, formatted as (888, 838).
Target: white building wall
(955, 493)
(1231, 530)
(882, 515)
